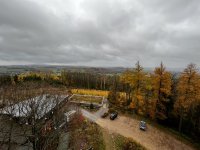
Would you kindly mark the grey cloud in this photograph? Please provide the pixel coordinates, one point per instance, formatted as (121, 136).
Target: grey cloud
(100, 32)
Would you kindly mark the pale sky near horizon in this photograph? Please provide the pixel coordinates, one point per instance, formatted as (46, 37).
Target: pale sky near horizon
(100, 32)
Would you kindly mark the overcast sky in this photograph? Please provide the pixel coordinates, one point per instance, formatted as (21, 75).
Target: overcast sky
(100, 32)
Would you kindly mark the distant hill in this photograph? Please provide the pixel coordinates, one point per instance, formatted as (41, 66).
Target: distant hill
(57, 69)
(11, 70)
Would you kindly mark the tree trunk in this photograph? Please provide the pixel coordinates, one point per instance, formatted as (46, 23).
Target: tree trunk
(101, 84)
(34, 137)
(10, 136)
(104, 83)
(180, 121)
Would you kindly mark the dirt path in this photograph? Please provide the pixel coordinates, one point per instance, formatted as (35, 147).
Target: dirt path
(108, 140)
(152, 139)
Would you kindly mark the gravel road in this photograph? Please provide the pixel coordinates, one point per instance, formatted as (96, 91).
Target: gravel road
(152, 139)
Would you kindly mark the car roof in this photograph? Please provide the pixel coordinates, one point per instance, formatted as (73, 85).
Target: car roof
(114, 113)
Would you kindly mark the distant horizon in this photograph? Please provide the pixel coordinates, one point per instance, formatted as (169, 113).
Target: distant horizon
(103, 67)
(100, 66)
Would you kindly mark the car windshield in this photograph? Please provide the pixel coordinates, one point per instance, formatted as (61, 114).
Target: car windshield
(142, 123)
(112, 115)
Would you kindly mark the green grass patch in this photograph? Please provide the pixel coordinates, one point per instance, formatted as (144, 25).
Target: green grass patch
(123, 143)
(87, 135)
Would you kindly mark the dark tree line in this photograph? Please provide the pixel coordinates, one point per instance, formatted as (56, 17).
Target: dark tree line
(69, 79)
(87, 80)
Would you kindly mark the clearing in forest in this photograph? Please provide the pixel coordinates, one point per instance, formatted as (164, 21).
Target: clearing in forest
(90, 92)
(87, 98)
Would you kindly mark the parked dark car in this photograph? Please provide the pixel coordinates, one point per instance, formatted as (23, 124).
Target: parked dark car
(113, 115)
(143, 125)
(104, 115)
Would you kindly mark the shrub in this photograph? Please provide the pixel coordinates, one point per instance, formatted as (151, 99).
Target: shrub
(111, 110)
(91, 106)
(104, 115)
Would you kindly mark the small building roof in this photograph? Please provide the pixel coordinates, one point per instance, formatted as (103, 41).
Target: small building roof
(39, 105)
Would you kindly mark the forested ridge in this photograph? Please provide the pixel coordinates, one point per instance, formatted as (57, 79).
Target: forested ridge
(170, 99)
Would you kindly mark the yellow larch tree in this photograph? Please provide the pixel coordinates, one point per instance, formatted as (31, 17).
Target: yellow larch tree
(138, 84)
(127, 78)
(188, 96)
(161, 86)
(135, 80)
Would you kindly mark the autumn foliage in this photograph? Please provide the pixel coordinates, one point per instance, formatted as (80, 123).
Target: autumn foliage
(169, 98)
(188, 100)
(162, 82)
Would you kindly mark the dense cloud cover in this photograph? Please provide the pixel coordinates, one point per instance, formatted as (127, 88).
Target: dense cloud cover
(100, 32)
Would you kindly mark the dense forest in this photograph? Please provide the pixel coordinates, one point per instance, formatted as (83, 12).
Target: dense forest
(172, 100)
(169, 99)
